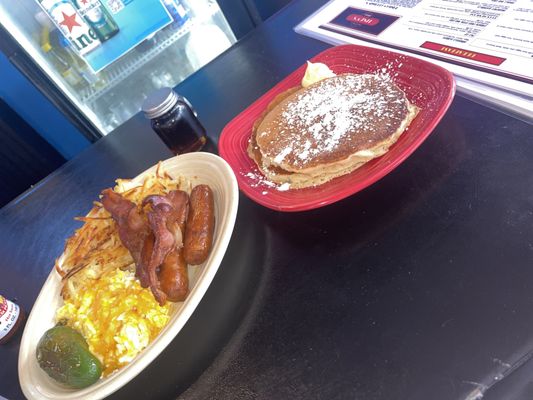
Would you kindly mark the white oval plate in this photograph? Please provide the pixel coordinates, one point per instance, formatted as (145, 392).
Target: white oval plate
(198, 168)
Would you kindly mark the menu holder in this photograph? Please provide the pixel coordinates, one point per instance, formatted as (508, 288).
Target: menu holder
(488, 46)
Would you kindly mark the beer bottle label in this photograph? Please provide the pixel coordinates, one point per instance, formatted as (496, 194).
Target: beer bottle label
(9, 313)
(71, 24)
(91, 10)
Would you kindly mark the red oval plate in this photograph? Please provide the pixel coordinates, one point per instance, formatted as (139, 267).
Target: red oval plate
(428, 86)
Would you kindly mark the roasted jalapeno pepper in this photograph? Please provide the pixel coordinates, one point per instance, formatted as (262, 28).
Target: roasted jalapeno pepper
(64, 354)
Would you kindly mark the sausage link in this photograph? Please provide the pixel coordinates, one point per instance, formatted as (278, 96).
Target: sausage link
(200, 225)
(173, 276)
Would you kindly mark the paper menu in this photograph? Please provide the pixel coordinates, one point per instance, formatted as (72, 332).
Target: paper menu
(487, 44)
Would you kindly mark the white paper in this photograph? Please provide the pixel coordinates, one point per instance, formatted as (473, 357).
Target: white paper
(487, 43)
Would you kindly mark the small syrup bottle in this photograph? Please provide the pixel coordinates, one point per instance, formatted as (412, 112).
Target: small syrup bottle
(11, 319)
(174, 120)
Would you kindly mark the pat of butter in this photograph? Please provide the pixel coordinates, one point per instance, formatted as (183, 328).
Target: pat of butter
(316, 72)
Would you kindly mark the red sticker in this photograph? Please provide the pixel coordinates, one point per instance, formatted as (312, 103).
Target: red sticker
(362, 19)
(471, 55)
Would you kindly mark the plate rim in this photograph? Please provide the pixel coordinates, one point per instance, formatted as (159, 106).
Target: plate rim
(171, 330)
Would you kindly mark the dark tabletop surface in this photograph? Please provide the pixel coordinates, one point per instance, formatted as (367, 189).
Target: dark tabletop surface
(419, 287)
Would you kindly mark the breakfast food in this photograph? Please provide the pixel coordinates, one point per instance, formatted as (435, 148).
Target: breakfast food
(200, 225)
(116, 316)
(308, 136)
(316, 72)
(63, 353)
(121, 273)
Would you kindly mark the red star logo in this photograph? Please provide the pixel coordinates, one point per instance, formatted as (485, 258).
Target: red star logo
(84, 2)
(69, 21)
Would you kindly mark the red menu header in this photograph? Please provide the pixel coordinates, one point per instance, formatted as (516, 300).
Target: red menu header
(471, 55)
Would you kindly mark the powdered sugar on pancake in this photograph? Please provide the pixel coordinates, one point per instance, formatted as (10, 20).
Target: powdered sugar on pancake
(332, 119)
(262, 182)
(279, 158)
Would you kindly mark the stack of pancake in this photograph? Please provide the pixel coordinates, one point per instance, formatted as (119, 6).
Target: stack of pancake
(308, 136)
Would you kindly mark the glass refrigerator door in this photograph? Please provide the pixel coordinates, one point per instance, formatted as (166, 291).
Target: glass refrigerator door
(115, 61)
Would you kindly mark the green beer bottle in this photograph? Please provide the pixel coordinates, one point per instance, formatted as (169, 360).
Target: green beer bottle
(98, 18)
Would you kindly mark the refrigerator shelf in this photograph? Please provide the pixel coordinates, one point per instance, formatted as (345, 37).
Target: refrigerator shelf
(122, 68)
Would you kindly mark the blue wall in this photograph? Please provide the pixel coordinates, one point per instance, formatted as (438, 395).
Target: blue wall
(39, 112)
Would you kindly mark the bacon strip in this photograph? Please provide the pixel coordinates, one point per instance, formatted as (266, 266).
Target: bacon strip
(166, 220)
(154, 239)
(132, 227)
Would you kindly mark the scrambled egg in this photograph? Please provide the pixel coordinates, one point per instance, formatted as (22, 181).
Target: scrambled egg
(117, 317)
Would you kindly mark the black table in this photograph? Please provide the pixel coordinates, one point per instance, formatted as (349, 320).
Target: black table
(419, 287)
